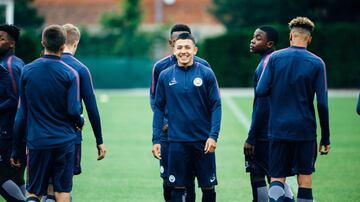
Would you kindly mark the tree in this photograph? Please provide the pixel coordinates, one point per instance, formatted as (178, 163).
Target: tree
(236, 14)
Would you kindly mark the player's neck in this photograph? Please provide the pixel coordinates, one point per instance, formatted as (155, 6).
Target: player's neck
(58, 54)
(185, 66)
(299, 43)
(69, 50)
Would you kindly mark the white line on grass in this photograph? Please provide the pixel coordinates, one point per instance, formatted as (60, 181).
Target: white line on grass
(245, 121)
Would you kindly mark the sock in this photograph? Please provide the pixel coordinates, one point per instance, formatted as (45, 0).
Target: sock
(276, 192)
(304, 195)
(32, 199)
(23, 189)
(11, 192)
(178, 195)
(190, 193)
(259, 189)
(208, 195)
(166, 191)
(289, 196)
(50, 198)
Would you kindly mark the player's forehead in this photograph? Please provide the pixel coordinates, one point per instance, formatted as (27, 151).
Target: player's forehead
(184, 42)
(3, 34)
(259, 33)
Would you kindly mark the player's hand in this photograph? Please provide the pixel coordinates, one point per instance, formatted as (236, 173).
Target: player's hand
(101, 151)
(15, 162)
(83, 120)
(324, 149)
(165, 128)
(210, 145)
(156, 150)
(248, 149)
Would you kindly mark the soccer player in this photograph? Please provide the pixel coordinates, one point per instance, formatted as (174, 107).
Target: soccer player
(189, 93)
(159, 66)
(256, 145)
(12, 184)
(49, 114)
(291, 78)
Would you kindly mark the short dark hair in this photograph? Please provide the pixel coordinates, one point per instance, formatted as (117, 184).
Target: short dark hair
(302, 22)
(12, 31)
(53, 37)
(186, 36)
(271, 33)
(180, 28)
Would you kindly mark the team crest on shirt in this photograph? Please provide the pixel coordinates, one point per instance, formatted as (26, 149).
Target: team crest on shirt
(162, 169)
(172, 178)
(198, 81)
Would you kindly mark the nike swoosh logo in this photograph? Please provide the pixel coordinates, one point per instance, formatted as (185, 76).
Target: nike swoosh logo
(170, 84)
(212, 179)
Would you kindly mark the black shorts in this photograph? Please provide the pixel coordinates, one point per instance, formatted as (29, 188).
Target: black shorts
(258, 164)
(288, 158)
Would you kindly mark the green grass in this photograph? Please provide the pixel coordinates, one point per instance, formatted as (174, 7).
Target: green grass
(129, 173)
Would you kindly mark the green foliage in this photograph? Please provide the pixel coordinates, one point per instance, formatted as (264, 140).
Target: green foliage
(234, 66)
(236, 14)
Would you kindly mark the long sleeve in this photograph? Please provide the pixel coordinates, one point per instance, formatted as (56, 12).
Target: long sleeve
(87, 93)
(20, 122)
(159, 110)
(11, 100)
(73, 101)
(322, 104)
(215, 105)
(153, 86)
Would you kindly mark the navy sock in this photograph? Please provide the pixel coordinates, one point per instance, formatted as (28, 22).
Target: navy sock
(208, 195)
(190, 193)
(259, 189)
(304, 195)
(166, 192)
(276, 192)
(178, 195)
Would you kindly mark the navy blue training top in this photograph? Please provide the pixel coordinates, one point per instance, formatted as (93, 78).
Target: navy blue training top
(8, 106)
(49, 104)
(193, 103)
(158, 67)
(261, 108)
(292, 77)
(87, 95)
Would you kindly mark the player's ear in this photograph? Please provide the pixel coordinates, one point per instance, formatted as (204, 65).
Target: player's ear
(309, 40)
(42, 43)
(62, 47)
(290, 36)
(195, 50)
(270, 44)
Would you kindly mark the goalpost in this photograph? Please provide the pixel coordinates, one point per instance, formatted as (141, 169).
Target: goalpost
(9, 13)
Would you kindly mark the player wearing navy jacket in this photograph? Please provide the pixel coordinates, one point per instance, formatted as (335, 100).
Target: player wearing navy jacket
(291, 78)
(12, 184)
(256, 146)
(87, 94)
(157, 69)
(189, 92)
(49, 114)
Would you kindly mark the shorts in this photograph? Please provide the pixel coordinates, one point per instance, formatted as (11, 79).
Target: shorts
(164, 159)
(77, 159)
(50, 164)
(258, 164)
(186, 160)
(288, 158)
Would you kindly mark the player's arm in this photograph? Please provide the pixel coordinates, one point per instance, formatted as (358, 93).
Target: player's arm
(158, 117)
(73, 101)
(154, 80)
(322, 107)
(19, 126)
(264, 84)
(88, 95)
(215, 108)
(11, 100)
(358, 105)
